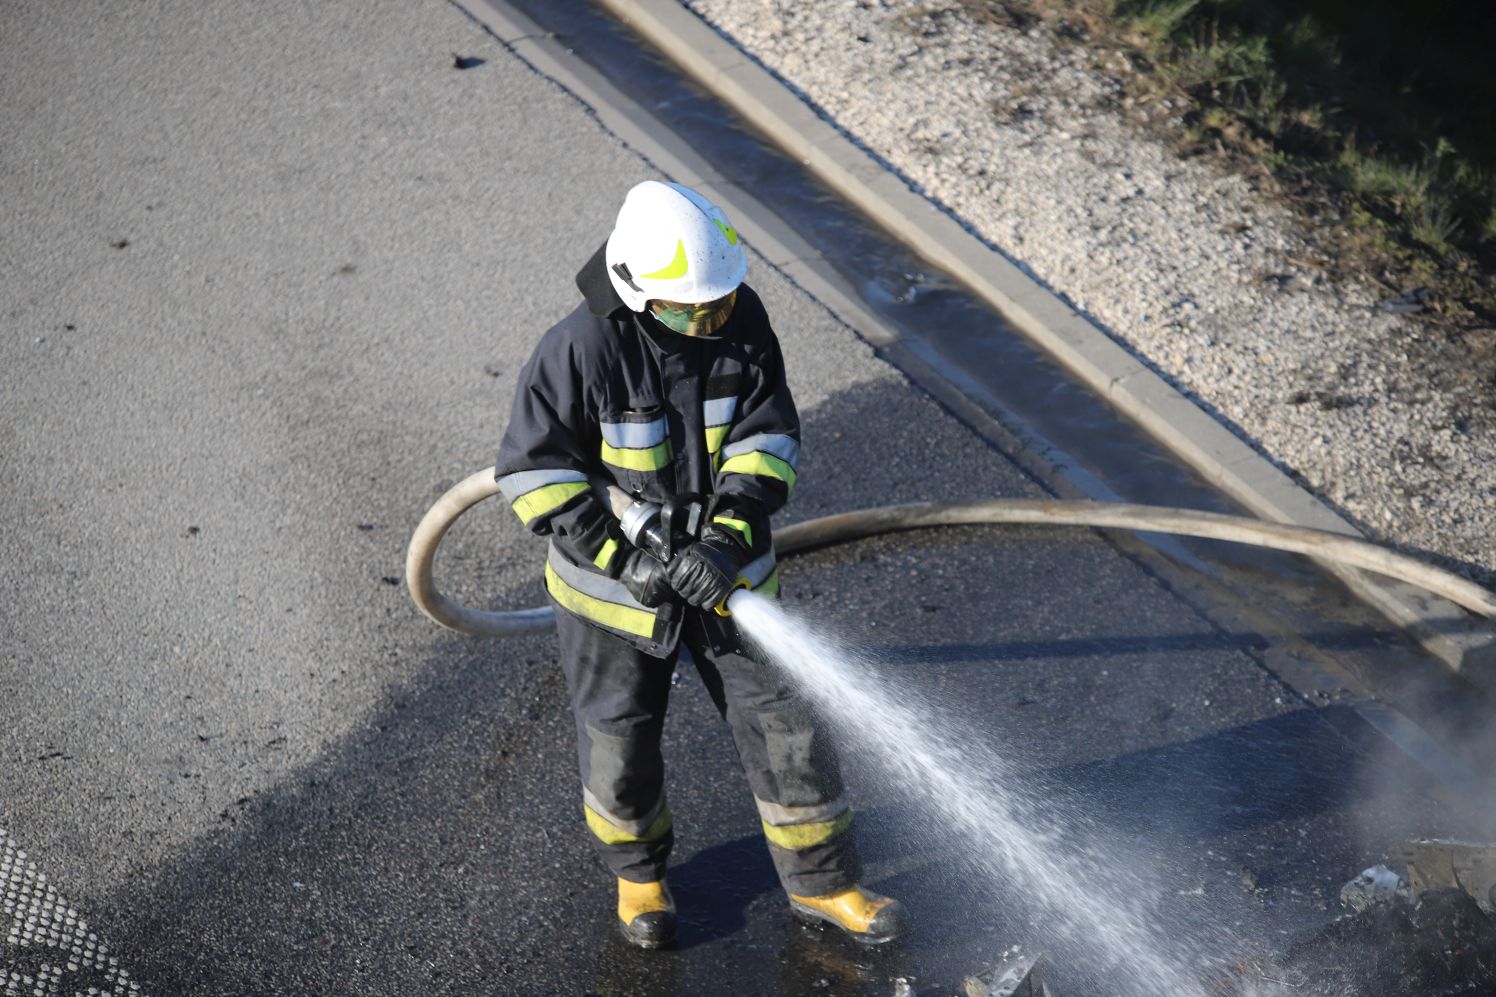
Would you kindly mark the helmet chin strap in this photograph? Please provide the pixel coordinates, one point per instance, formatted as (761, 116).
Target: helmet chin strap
(622, 270)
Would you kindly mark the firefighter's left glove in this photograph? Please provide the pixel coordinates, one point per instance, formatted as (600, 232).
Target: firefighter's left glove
(646, 579)
(705, 572)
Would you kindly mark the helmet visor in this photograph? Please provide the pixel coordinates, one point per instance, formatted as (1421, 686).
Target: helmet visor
(694, 320)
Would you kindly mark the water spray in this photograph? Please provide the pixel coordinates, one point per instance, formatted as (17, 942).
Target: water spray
(1011, 835)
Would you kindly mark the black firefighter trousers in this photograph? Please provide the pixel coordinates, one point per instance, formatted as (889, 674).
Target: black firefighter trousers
(619, 696)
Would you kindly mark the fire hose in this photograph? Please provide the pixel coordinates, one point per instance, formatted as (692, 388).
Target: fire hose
(844, 527)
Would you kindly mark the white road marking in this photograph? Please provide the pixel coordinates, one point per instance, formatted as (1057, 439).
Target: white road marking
(42, 930)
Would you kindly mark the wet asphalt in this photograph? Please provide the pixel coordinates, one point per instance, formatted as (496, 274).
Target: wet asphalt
(270, 274)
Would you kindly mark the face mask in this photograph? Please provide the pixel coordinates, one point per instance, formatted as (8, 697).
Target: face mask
(694, 320)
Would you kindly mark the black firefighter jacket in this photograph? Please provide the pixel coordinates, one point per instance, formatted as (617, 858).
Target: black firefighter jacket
(612, 397)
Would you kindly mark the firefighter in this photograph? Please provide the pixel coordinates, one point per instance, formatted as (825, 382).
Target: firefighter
(667, 380)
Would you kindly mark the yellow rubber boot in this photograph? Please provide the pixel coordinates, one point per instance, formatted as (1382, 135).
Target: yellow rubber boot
(865, 917)
(647, 913)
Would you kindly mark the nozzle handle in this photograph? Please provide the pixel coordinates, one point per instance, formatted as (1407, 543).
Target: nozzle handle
(681, 518)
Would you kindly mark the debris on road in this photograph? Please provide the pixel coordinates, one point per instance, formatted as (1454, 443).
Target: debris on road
(1376, 885)
(1017, 975)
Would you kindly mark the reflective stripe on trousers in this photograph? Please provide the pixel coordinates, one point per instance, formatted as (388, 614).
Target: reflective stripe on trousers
(619, 697)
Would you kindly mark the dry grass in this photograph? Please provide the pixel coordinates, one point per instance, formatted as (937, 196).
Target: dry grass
(1381, 126)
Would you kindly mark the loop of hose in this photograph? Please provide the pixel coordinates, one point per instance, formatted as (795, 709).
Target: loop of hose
(845, 527)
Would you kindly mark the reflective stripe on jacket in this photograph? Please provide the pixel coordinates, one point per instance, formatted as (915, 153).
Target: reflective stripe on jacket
(611, 397)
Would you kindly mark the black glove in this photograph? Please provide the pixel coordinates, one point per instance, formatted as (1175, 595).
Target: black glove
(705, 572)
(646, 579)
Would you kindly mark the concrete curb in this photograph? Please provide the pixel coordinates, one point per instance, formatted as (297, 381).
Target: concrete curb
(1465, 643)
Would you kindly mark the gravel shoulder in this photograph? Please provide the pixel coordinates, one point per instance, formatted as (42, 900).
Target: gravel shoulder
(1204, 274)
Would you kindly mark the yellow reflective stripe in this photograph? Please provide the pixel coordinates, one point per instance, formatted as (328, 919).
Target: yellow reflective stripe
(769, 586)
(762, 463)
(736, 524)
(714, 437)
(534, 504)
(605, 556)
(676, 267)
(638, 460)
(797, 837)
(729, 231)
(611, 834)
(639, 622)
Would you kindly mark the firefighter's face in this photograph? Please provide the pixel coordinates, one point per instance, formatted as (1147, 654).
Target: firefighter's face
(694, 320)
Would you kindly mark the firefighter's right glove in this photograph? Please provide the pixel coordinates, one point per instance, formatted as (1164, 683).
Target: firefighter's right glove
(705, 572)
(646, 579)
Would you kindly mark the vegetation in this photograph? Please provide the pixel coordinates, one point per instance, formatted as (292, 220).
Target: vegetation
(1378, 115)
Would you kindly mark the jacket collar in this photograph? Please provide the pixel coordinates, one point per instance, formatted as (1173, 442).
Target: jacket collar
(597, 289)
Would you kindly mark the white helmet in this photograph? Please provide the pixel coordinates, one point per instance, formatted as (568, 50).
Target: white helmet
(672, 244)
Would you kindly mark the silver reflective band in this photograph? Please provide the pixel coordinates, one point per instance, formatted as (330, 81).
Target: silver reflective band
(781, 816)
(523, 482)
(783, 447)
(635, 435)
(718, 411)
(589, 583)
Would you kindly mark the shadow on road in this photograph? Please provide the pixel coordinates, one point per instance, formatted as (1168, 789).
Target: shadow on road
(438, 847)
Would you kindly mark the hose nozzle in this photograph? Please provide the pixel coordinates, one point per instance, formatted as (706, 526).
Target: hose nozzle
(721, 609)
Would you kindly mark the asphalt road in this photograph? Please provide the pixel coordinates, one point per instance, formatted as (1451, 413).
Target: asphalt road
(268, 274)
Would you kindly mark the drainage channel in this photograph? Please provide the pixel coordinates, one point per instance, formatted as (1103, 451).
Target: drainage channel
(1058, 430)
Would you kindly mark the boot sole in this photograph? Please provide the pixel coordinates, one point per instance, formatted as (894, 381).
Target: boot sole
(811, 916)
